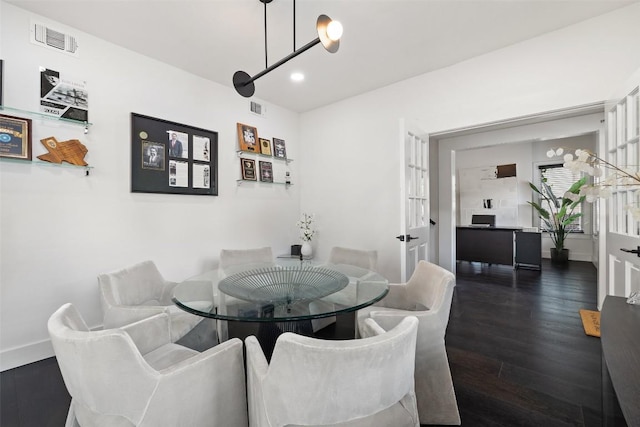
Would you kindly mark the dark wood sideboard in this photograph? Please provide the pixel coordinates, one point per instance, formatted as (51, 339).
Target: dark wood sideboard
(498, 245)
(620, 338)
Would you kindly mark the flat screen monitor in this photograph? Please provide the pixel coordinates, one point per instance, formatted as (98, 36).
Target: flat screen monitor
(489, 220)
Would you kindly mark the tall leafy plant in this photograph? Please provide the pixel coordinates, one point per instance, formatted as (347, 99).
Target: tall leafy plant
(558, 213)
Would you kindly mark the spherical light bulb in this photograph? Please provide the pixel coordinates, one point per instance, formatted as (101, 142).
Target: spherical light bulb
(334, 30)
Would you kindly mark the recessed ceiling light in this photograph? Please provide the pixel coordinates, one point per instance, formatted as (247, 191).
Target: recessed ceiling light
(297, 77)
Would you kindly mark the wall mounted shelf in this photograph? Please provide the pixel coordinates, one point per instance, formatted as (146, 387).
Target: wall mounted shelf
(39, 163)
(37, 115)
(245, 181)
(250, 153)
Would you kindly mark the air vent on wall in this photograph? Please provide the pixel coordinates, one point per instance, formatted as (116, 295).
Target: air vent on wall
(258, 109)
(45, 36)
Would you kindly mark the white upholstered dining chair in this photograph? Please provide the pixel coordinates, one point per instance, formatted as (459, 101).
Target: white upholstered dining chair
(135, 376)
(230, 258)
(357, 383)
(359, 258)
(365, 259)
(140, 291)
(427, 295)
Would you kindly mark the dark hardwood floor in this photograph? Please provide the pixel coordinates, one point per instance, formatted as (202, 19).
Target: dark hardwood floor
(517, 350)
(518, 353)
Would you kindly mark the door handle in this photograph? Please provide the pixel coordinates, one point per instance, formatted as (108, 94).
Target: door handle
(406, 237)
(632, 251)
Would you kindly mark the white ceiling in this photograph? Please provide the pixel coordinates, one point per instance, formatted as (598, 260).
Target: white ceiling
(384, 41)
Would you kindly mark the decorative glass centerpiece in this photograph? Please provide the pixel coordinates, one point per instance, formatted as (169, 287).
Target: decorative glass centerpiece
(283, 285)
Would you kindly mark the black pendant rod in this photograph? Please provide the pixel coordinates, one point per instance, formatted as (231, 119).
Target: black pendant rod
(243, 82)
(284, 60)
(266, 62)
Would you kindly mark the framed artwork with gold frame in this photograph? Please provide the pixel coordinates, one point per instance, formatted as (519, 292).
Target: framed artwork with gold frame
(15, 137)
(265, 146)
(248, 138)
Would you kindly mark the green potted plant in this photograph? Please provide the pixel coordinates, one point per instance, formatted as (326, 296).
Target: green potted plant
(558, 213)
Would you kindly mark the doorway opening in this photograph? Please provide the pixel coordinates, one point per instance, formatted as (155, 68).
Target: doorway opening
(535, 130)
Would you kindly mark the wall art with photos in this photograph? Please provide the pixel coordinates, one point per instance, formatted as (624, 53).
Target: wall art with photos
(248, 138)
(172, 158)
(15, 137)
(63, 96)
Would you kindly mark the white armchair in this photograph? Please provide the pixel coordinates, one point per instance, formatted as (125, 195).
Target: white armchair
(140, 291)
(427, 295)
(233, 258)
(357, 257)
(339, 255)
(135, 376)
(356, 383)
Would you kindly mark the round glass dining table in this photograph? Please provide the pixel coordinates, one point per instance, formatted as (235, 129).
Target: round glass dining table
(282, 296)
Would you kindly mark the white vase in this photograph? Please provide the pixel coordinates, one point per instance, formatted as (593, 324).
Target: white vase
(306, 250)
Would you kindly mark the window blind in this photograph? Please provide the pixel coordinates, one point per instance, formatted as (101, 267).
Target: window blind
(560, 179)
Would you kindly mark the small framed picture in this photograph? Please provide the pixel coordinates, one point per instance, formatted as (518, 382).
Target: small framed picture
(248, 138)
(279, 149)
(15, 137)
(266, 171)
(248, 169)
(178, 144)
(265, 147)
(152, 156)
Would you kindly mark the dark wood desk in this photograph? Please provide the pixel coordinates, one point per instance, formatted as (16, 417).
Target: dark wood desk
(493, 245)
(620, 337)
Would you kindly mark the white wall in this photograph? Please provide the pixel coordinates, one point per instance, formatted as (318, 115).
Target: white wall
(350, 149)
(518, 153)
(60, 229)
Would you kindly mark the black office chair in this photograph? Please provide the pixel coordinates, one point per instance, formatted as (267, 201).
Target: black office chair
(483, 219)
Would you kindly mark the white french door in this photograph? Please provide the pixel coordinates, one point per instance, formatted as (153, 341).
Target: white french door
(414, 203)
(622, 148)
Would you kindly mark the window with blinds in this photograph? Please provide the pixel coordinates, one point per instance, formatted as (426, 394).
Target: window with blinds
(560, 179)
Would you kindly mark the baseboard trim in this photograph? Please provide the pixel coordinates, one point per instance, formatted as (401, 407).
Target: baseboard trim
(34, 352)
(19, 356)
(573, 256)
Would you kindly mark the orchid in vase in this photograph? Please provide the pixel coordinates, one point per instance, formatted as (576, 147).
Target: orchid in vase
(305, 225)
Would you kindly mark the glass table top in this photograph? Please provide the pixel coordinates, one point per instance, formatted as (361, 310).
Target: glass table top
(290, 290)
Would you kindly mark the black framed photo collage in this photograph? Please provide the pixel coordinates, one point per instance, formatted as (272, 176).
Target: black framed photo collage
(173, 158)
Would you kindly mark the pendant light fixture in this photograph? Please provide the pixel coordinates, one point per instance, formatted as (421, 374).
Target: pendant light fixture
(329, 33)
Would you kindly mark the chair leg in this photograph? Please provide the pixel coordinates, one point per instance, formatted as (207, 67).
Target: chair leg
(71, 416)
